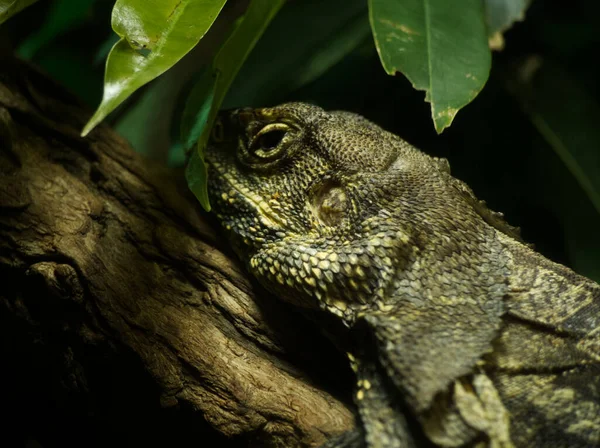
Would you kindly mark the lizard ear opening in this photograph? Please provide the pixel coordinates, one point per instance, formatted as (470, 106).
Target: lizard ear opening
(329, 202)
(442, 164)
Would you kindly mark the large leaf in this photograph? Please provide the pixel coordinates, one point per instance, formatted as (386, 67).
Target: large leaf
(308, 37)
(9, 8)
(155, 34)
(441, 47)
(225, 67)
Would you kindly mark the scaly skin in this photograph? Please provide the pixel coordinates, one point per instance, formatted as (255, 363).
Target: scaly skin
(460, 335)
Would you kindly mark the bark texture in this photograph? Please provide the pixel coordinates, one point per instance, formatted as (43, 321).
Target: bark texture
(122, 319)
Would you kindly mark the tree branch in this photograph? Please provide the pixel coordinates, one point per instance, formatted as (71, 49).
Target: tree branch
(119, 310)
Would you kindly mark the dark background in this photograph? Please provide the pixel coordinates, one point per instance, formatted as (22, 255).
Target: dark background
(540, 106)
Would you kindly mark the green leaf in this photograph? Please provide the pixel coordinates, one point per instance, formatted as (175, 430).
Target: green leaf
(236, 49)
(225, 67)
(197, 108)
(155, 34)
(63, 16)
(9, 8)
(439, 46)
(501, 14)
(308, 37)
(196, 175)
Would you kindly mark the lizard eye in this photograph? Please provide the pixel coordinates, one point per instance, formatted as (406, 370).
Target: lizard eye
(266, 145)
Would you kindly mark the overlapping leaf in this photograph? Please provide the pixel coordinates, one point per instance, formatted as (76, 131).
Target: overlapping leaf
(155, 34)
(210, 92)
(440, 47)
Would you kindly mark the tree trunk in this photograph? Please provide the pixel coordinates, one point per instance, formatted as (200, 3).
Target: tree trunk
(123, 318)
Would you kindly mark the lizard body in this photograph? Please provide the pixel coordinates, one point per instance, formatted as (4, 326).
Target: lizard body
(460, 335)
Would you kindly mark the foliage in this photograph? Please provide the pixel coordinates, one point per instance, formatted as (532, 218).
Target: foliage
(441, 49)
(225, 66)
(528, 143)
(154, 35)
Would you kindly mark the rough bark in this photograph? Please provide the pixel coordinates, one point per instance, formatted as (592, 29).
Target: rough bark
(122, 318)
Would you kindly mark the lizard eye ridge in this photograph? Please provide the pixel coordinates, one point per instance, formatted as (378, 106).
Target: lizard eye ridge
(267, 144)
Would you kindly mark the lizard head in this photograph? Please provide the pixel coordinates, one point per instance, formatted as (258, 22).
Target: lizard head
(328, 205)
(288, 170)
(299, 188)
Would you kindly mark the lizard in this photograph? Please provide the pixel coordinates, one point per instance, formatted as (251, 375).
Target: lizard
(459, 333)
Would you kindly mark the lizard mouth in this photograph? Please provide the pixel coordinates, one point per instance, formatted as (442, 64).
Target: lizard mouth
(268, 217)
